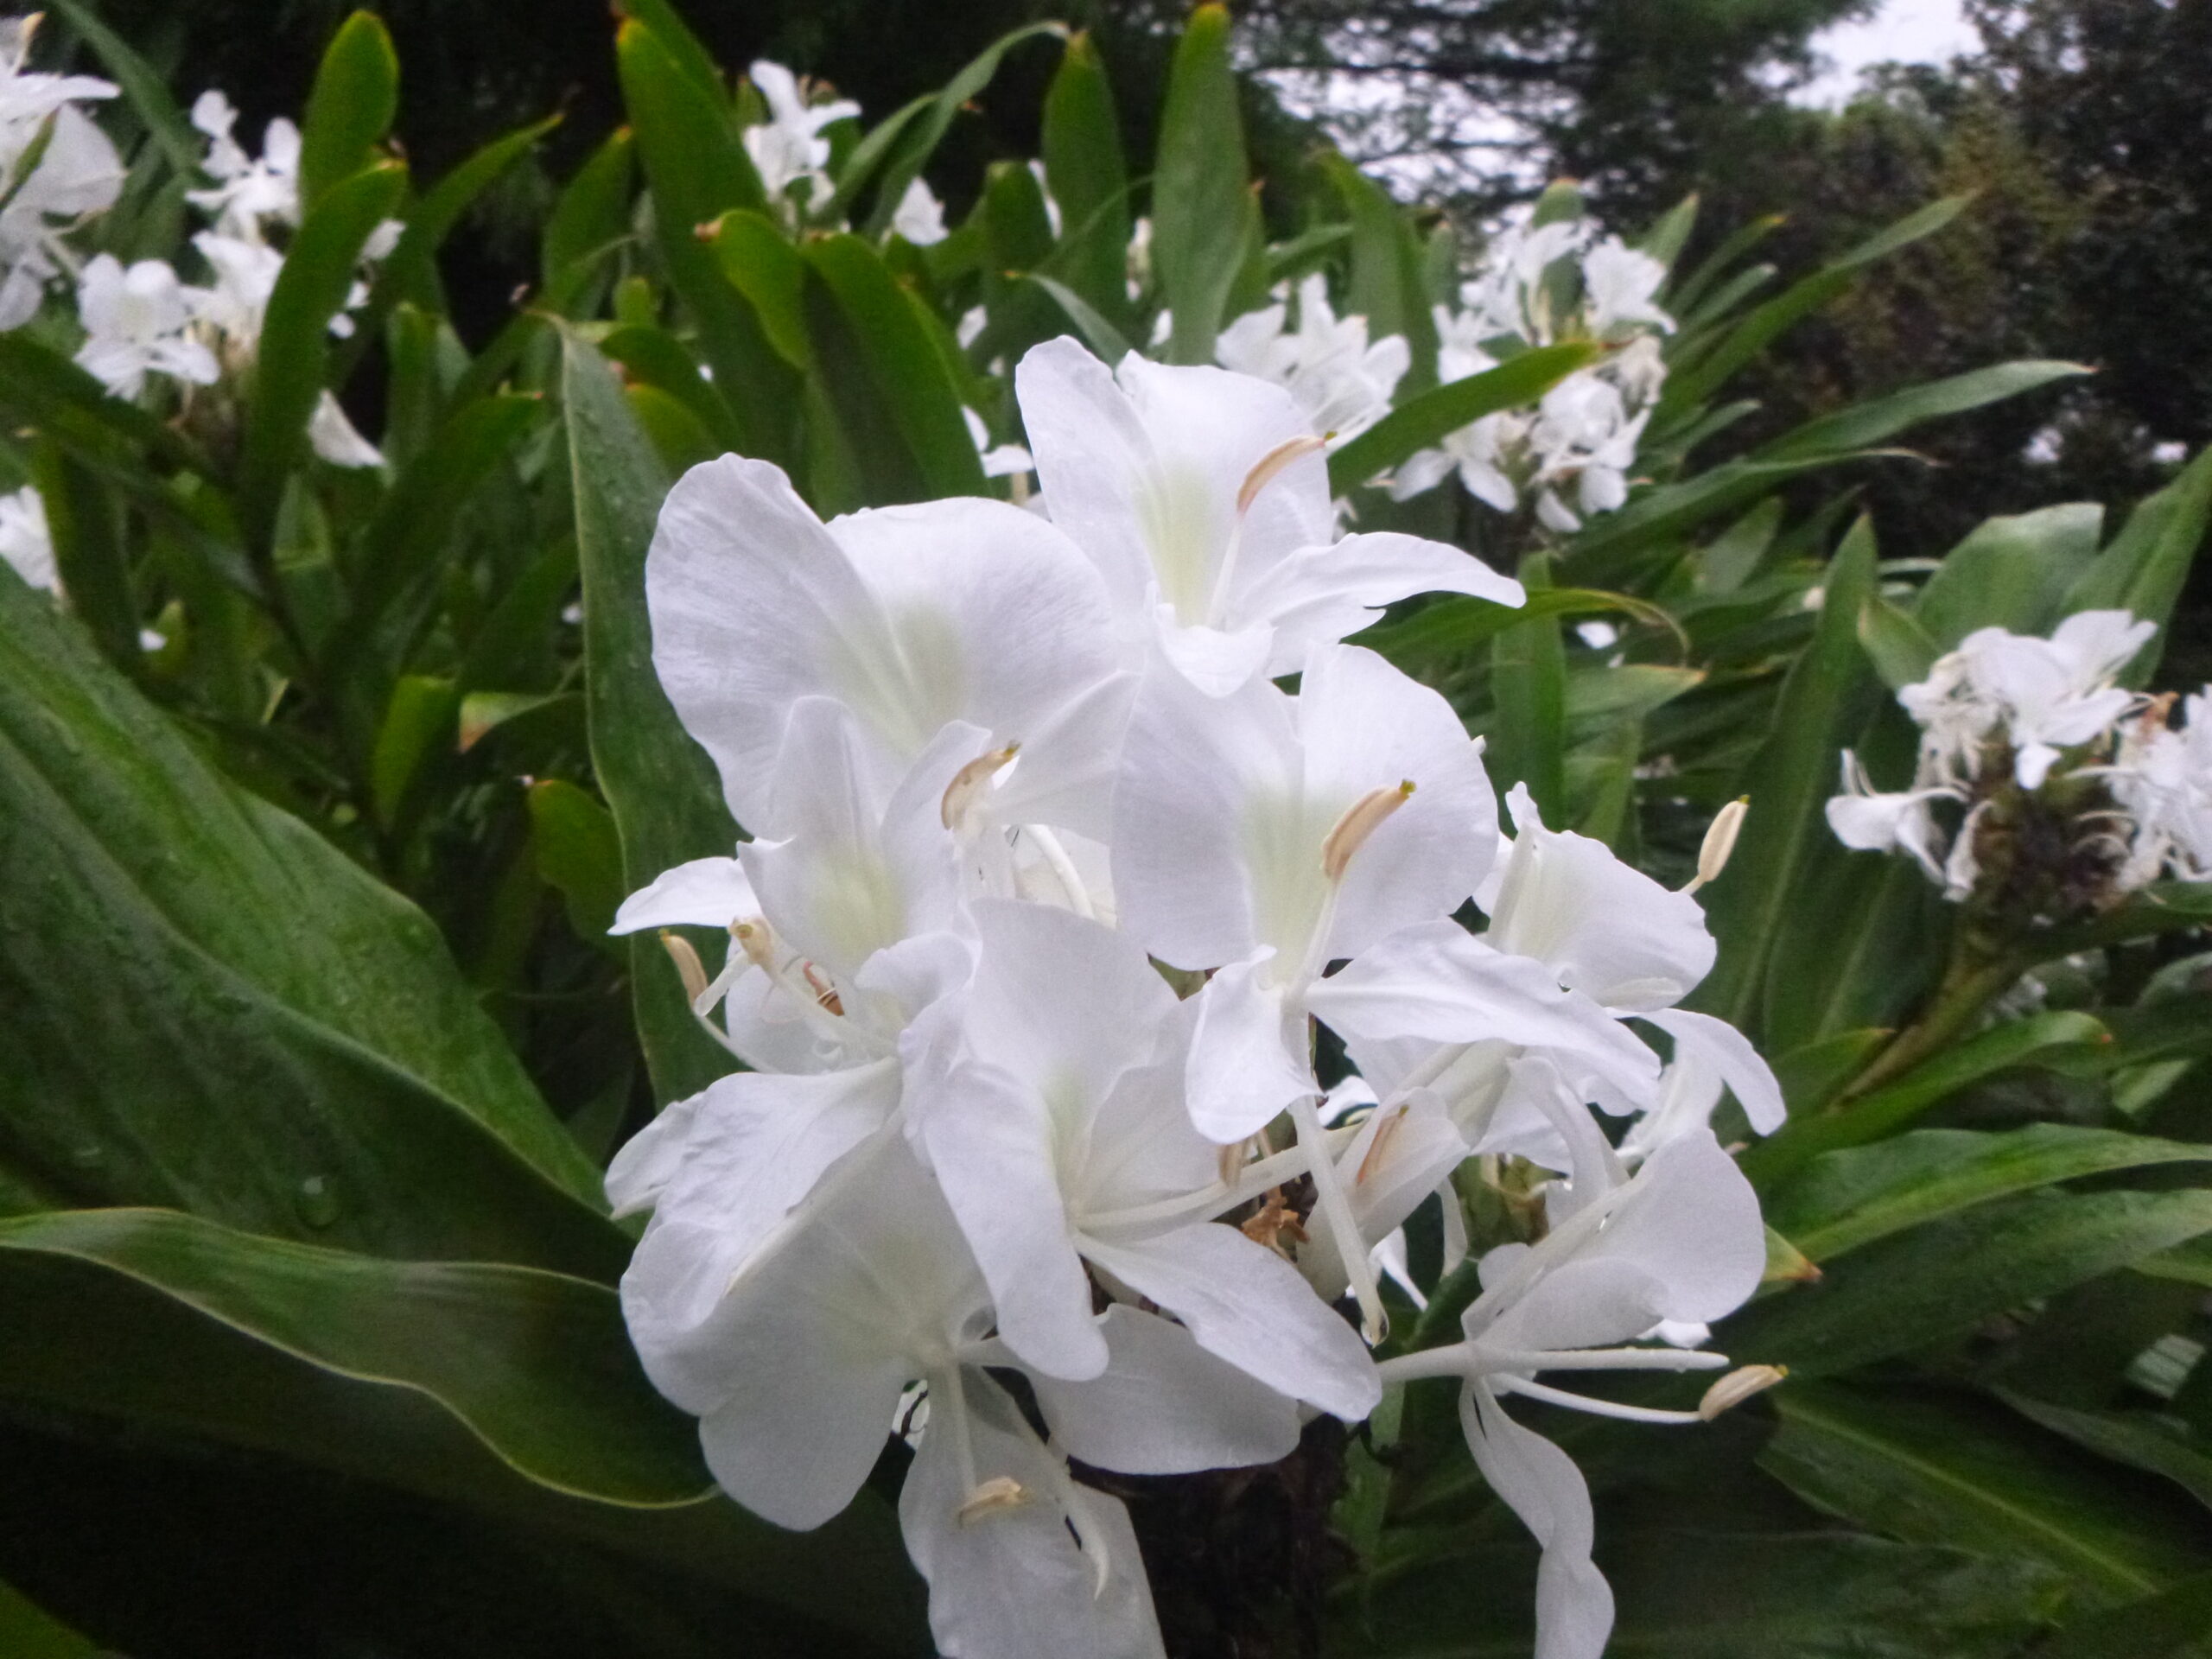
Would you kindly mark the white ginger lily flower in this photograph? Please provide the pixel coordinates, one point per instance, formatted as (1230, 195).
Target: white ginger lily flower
(796, 1365)
(250, 194)
(234, 304)
(26, 543)
(1618, 284)
(75, 170)
(1866, 819)
(913, 617)
(1343, 382)
(1266, 836)
(2162, 777)
(1680, 1242)
(921, 216)
(788, 147)
(1058, 1131)
(1203, 499)
(135, 324)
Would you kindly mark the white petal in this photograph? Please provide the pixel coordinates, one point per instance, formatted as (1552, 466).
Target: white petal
(1247, 1305)
(1729, 1053)
(1241, 1071)
(1319, 595)
(1574, 1608)
(1164, 1406)
(705, 892)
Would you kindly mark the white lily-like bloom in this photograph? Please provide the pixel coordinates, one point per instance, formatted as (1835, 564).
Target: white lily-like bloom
(1342, 382)
(1048, 885)
(26, 543)
(1203, 499)
(1866, 819)
(251, 194)
(1619, 285)
(136, 323)
(921, 216)
(1681, 1242)
(913, 617)
(76, 172)
(788, 147)
(2162, 777)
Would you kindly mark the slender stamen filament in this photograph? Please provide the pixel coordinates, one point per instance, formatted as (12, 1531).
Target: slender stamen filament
(1333, 1206)
(1508, 1384)
(1063, 868)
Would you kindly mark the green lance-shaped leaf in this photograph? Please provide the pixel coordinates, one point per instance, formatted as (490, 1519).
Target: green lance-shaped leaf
(1880, 419)
(910, 377)
(1527, 681)
(1828, 693)
(1940, 1279)
(83, 520)
(2168, 1625)
(536, 1365)
(41, 388)
(1201, 202)
(1447, 629)
(1083, 165)
(1695, 1592)
(27, 1631)
(2037, 1040)
(591, 214)
(653, 357)
(295, 347)
(2154, 1444)
(351, 107)
(698, 170)
(509, 1393)
(1842, 1200)
(1105, 340)
(1388, 284)
(2009, 572)
(579, 855)
(1422, 421)
(685, 50)
(658, 783)
(1689, 388)
(1948, 1470)
(2143, 568)
(417, 732)
(910, 138)
(209, 1007)
(1895, 642)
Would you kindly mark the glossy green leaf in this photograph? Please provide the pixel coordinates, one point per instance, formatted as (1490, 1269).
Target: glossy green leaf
(2136, 1439)
(89, 554)
(1827, 694)
(1105, 340)
(579, 854)
(294, 347)
(536, 1365)
(1445, 628)
(698, 170)
(911, 378)
(2009, 572)
(916, 138)
(1427, 420)
(1935, 1280)
(1880, 419)
(1083, 165)
(760, 261)
(2036, 1039)
(1895, 642)
(41, 388)
(1707, 1595)
(1752, 335)
(1843, 1199)
(418, 726)
(653, 357)
(350, 108)
(684, 49)
(1388, 286)
(2143, 568)
(1201, 204)
(658, 783)
(592, 212)
(1527, 679)
(2168, 1625)
(1937, 1471)
(210, 1008)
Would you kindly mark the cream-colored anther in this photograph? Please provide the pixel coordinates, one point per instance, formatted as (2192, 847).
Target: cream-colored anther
(1360, 819)
(1738, 1386)
(999, 1493)
(1719, 841)
(689, 968)
(758, 941)
(969, 783)
(1271, 467)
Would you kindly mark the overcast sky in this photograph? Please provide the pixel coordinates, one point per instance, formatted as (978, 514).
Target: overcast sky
(1903, 31)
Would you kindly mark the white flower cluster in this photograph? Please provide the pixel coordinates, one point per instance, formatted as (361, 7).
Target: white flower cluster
(788, 149)
(58, 166)
(1341, 380)
(1541, 285)
(1012, 779)
(141, 320)
(2007, 710)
